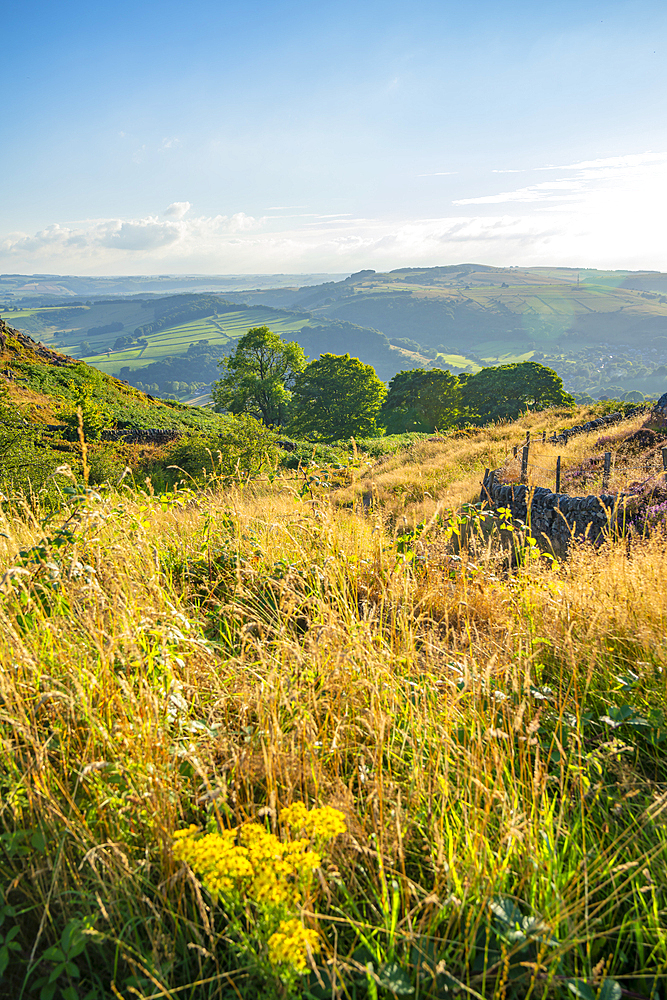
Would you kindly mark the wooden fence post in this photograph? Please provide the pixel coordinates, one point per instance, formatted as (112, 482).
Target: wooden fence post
(483, 490)
(544, 437)
(558, 474)
(607, 469)
(664, 462)
(524, 464)
(515, 450)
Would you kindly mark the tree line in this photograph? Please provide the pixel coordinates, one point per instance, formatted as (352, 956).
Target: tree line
(338, 396)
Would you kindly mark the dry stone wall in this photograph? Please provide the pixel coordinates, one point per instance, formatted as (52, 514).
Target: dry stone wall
(598, 423)
(554, 518)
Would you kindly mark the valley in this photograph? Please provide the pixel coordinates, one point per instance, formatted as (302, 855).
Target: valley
(604, 332)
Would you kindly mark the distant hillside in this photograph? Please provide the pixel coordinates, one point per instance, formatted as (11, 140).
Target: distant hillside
(603, 331)
(173, 344)
(38, 288)
(495, 311)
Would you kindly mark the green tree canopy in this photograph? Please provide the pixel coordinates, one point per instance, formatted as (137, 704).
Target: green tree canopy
(258, 376)
(422, 399)
(337, 396)
(504, 392)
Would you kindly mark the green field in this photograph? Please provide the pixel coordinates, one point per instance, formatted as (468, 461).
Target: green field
(173, 340)
(176, 340)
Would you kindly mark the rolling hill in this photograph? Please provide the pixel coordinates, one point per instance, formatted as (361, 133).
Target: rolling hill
(181, 338)
(493, 310)
(603, 331)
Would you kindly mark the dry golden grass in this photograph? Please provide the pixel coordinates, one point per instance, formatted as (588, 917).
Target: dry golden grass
(448, 474)
(214, 657)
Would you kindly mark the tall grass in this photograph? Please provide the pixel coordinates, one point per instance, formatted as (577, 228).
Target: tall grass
(493, 736)
(415, 482)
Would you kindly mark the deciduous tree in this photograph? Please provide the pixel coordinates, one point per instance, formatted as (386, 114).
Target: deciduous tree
(422, 399)
(337, 396)
(258, 376)
(504, 392)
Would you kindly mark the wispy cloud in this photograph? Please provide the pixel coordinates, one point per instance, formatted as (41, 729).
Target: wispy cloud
(615, 162)
(548, 191)
(440, 173)
(586, 178)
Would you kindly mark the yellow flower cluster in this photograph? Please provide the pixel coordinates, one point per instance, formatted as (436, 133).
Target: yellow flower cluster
(253, 861)
(320, 824)
(249, 863)
(219, 861)
(291, 943)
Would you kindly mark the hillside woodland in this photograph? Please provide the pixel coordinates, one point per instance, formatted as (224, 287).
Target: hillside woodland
(318, 722)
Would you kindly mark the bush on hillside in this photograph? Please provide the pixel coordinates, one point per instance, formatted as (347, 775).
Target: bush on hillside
(243, 448)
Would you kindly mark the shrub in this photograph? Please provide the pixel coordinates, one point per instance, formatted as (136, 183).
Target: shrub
(242, 449)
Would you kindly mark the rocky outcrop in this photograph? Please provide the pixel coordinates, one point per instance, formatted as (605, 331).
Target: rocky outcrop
(15, 342)
(661, 405)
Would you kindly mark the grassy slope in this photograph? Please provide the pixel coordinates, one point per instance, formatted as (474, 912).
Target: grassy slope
(41, 388)
(213, 658)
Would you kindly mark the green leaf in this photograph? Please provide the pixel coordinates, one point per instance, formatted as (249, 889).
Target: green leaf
(53, 954)
(48, 992)
(580, 989)
(610, 990)
(38, 841)
(506, 910)
(58, 971)
(392, 977)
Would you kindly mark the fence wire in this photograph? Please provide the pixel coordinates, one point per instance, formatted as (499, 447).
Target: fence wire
(588, 476)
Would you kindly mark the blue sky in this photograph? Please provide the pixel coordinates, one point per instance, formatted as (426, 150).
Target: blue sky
(145, 137)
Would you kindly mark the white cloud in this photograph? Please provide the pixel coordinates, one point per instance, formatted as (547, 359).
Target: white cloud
(588, 179)
(548, 191)
(129, 235)
(147, 234)
(440, 173)
(629, 160)
(609, 212)
(178, 209)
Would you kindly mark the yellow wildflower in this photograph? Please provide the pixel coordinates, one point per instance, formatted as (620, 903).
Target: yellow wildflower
(324, 823)
(291, 943)
(255, 863)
